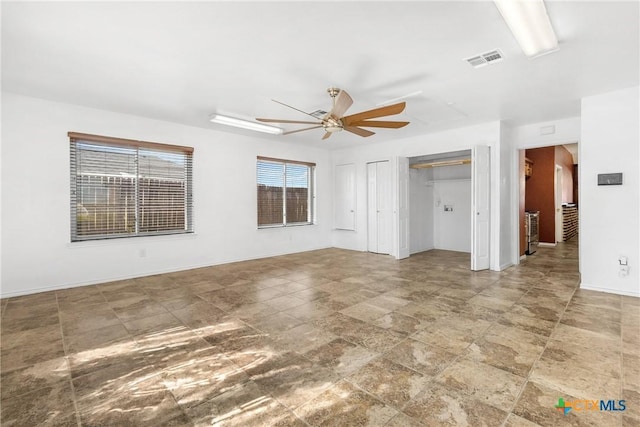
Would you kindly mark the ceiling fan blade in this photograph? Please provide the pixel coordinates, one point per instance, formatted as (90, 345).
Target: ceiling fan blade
(379, 124)
(287, 121)
(294, 108)
(301, 130)
(388, 110)
(342, 103)
(326, 135)
(359, 131)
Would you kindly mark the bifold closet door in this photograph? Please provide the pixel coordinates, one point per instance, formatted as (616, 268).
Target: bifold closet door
(378, 207)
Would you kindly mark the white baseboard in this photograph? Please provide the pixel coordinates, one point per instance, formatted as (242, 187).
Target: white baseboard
(589, 287)
(547, 245)
(417, 251)
(506, 265)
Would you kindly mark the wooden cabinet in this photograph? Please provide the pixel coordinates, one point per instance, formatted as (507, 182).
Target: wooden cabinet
(569, 222)
(528, 168)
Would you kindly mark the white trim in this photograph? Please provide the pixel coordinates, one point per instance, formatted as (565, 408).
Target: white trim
(557, 204)
(506, 265)
(523, 257)
(430, 248)
(547, 245)
(588, 287)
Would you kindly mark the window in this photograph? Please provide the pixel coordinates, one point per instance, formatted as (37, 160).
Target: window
(285, 192)
(125, 188)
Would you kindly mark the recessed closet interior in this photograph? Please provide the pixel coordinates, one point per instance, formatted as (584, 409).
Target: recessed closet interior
(440, 202)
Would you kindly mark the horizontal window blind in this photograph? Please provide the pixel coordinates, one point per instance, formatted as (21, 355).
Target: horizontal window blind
(285, 192)
(270, 193)
(298, 194)
(119, 189)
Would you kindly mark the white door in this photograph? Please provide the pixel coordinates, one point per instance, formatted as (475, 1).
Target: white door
(372, 208)
(345, 197)
(480, 176)
(384, 207)
(378, 207)
(558, 202)
(401, 208)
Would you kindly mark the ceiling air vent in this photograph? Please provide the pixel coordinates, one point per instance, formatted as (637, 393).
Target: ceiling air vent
(319, 114)
(486, 58)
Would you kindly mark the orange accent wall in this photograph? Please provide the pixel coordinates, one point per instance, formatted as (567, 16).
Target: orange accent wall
(539, 191)
(539, 188)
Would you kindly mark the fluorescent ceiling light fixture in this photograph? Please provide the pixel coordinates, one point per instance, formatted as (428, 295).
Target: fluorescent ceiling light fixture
(245, 124)
(529, 22)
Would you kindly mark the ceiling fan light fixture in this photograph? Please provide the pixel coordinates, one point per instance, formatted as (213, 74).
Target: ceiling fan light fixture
(332, 128)
(245, 124)
(336, 121)
(332, 125)
(530, 25)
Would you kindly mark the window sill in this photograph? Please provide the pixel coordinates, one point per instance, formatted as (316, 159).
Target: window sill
(133, 240)
(271, 227)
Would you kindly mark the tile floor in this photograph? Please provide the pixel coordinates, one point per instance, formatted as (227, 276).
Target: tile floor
(329, 337)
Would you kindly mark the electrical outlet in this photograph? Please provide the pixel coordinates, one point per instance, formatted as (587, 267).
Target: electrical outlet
(623, 271)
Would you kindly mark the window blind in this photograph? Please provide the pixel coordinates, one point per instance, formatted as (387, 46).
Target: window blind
(120, 188)
(270, 193)
(285, 192)
(298, 194)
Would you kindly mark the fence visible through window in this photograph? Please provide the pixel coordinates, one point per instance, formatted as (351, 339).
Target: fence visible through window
(284, 192)
(128, 190)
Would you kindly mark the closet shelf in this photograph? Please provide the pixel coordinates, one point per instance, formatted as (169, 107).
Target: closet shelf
(432, 181)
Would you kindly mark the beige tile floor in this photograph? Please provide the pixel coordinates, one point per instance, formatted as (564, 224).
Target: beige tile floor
(329, 337)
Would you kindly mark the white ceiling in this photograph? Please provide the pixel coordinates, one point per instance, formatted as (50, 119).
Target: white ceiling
(183, 61)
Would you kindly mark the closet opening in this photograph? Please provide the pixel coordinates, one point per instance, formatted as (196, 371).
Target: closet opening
(440, 208)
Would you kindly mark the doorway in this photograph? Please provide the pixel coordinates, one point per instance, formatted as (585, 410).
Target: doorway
(548, 185)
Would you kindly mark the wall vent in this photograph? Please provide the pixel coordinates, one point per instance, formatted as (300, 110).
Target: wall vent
(486, 58)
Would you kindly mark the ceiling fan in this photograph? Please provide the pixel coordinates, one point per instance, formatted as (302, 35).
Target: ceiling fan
(335, 121)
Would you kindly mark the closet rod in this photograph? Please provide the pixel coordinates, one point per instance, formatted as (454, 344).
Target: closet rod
(442, 163)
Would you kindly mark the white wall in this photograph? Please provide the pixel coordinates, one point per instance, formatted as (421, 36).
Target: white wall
(440, 142)
(506, 200)
(431, 226)
(452, 229)
(610, 215)
(36, 249)
(530, 136)
(420, 210)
